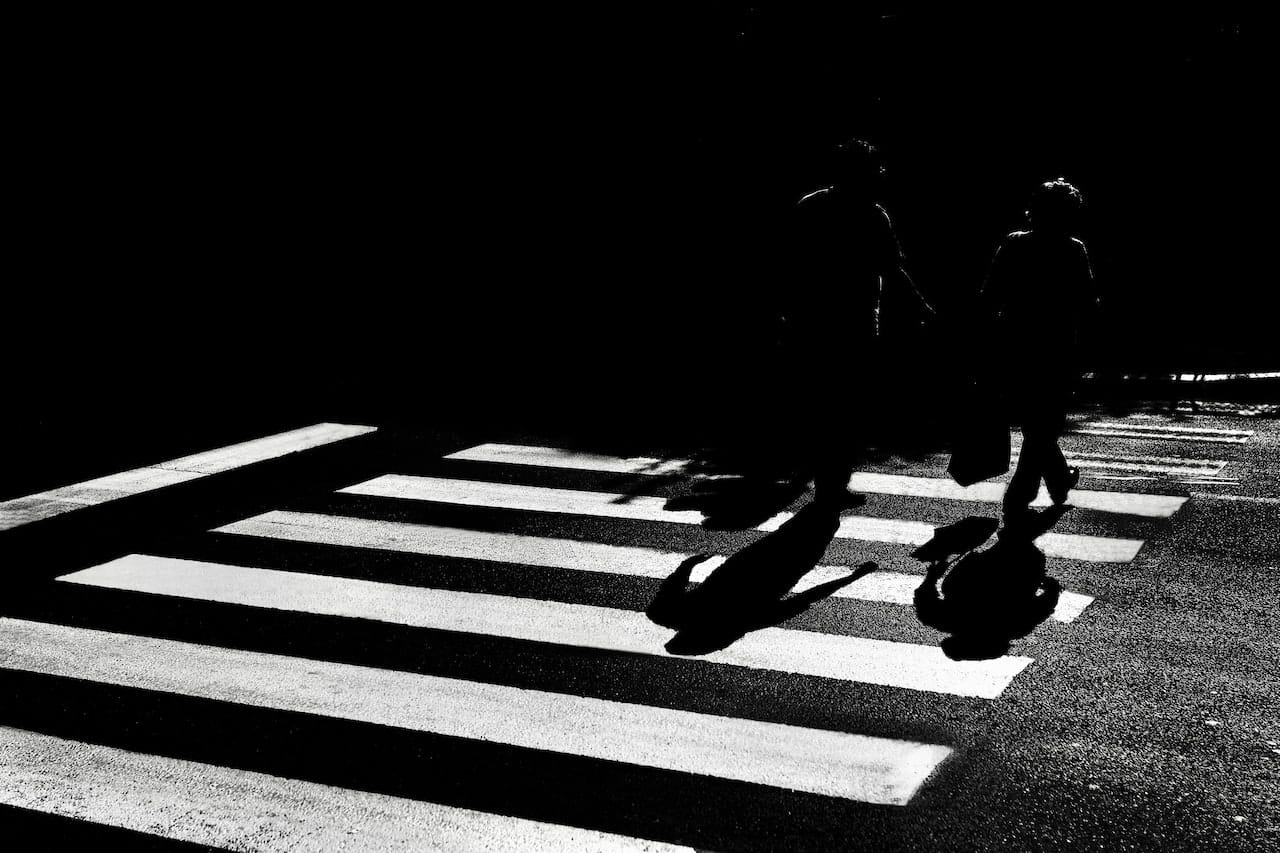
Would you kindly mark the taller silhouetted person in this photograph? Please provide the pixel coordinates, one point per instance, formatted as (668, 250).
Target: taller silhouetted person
(845, 255)
(1040, 292)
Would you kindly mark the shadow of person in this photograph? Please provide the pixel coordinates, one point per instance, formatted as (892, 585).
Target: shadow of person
(750, 590)
(737, 491)
(987, 599)
(739, 502)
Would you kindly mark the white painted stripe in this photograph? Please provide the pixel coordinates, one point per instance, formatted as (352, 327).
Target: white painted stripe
(1239, 498)
(1177, 428)
(1147, 464)
(262, 449)
(555, 457)
(1155, 436)
(1151, 506)
(243, 810)
(645, 508)
(509, 548)
(1241, 409)
(853, 659)
(24, 510)
(1089, 465)
(518, 497)
(858, 767)
(1225, 377)
(1125, 478)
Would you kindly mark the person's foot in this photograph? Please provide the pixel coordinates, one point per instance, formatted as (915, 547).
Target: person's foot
(1073, 480)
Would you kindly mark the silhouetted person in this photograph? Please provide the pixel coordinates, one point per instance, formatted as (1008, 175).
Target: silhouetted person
(750, 590)
(987, 599)
(846, 256)
(1040, 292)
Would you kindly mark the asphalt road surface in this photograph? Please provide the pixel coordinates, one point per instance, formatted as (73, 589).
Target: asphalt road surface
(510, 639)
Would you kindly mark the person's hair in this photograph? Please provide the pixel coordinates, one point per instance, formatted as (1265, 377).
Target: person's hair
(859, 161)
(1055, 205)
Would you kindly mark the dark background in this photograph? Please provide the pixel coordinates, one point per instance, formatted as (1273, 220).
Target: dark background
(240, 214)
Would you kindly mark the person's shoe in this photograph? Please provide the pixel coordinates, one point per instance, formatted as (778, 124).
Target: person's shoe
(1073, 480)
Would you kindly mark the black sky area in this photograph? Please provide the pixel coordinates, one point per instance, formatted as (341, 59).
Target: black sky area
(480, 203)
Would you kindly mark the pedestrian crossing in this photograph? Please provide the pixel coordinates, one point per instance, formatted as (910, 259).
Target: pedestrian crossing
(729, 726)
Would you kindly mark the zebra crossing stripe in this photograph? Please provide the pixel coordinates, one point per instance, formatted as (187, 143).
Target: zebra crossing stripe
(243, 810)
(475, 493)
(1163, 436)
(1172, 465)
(1126, 503)
(555, 457)
(1154, 506)
(853, 659)
(509, 548)
(24, 510)
(1173, 428)
(829, 763)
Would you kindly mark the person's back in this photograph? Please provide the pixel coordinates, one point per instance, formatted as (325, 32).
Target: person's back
(1040, 288)
(843, 243)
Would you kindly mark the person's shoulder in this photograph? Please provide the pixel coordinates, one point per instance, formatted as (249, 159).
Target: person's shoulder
(817, 198)
(1077, 243)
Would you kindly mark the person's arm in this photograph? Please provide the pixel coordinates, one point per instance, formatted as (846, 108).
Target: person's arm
(898, 290)
(991, 296)
(1089, 302)
(1089, 285)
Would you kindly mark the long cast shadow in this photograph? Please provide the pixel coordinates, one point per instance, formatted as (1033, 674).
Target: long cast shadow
(987, 599)
(750, 591)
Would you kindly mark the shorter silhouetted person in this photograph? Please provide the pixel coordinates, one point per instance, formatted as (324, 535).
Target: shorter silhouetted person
(1040, 293)
(845, 257)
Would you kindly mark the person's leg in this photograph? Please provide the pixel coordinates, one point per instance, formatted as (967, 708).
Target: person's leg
(1025, 482)
(1050, 418)
(835, 453)
(1059, 478)
(837, 437)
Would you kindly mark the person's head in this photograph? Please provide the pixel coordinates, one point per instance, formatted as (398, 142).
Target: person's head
(856, 165)
(1055, 207)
